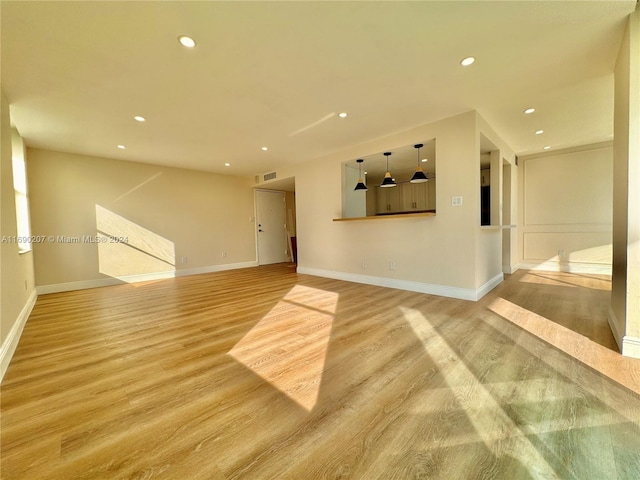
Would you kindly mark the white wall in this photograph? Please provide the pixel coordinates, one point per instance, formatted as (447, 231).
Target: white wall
(492, 241)
(17, 286)
(178, 221)
(566, 209)
(432, 254)
(625, 295)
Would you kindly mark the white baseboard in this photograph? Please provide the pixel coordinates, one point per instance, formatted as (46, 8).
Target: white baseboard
(81, 285)
(490, 285)
(509, 270)
(613, 325)
(10, 343)
(631, 346)
(432, 289)
(214, 268)
(146, 277)
(589, 268)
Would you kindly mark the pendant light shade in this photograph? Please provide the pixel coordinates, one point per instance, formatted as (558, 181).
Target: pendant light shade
(360, 185)
(419, 176)
(388, 180)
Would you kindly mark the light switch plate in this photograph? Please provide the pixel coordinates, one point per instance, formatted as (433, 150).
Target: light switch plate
(456, 201)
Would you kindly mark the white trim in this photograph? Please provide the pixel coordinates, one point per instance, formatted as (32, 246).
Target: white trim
(11, 342)
(432, 289)
(613, 325)
(563, 151)
(81, 285)
(631, 346)
(589, 268)
(110, 281)
(509, 270)
(490, 285)
(215, 268)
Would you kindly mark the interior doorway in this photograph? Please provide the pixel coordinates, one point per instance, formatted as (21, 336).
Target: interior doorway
(276, 239)
(271, 226)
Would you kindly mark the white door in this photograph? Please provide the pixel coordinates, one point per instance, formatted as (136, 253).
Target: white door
(271, 222)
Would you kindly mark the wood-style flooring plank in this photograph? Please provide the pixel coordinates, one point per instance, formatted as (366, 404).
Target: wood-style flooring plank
(263, 373)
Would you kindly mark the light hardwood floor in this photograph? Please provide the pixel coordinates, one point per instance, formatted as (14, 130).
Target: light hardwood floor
(262, 373)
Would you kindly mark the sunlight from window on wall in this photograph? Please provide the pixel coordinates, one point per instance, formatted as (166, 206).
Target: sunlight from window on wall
(568, 252)
(288, 346)
(126, 249)
(600, 254)
(21, 192)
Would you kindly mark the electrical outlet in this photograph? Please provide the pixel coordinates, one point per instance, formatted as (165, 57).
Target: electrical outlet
(392, 265)
(364, 264)
(224, 254)
(184, 260)
(561, 253)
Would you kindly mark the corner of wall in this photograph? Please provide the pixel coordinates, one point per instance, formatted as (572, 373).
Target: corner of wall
(10, 343)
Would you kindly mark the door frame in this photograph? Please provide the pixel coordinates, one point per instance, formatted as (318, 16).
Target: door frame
(255, 217)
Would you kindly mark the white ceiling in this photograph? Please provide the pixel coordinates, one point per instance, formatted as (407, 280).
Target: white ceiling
(277, 74)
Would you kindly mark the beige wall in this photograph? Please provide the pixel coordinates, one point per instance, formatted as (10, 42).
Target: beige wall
(565, 206)
(173, 219)
(17, 288)
(625, 295)
(438, 250)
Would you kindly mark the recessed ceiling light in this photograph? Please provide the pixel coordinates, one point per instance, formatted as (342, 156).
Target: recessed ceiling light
(465, 62)
(121, 147)
(264, 149)
(529, 110)
(186, 41)
(342, 115)
(139, 118)
(547, 147)
(227, 164)
(539, 132)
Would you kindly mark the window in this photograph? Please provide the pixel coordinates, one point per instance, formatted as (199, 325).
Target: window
(21, 193)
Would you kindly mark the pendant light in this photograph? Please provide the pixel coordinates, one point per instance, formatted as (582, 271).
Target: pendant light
(419, 176)
(360, 185)
(388, 181)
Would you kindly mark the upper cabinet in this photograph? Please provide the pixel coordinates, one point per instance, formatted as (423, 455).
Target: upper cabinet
(406, 197)
(388, 200)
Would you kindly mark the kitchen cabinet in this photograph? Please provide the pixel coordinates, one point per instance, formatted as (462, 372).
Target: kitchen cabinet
(389, 200)
(406, 197)
(414, 196)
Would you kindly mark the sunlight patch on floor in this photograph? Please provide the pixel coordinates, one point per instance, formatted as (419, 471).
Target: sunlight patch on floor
(560, 279)
(288, 346)
(594, 355)
(491, 422)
